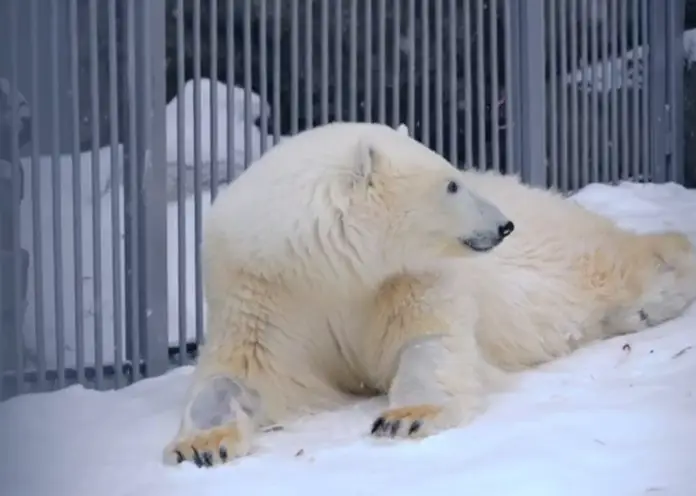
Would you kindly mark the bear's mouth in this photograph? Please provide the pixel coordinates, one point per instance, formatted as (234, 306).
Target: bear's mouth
(481, 244)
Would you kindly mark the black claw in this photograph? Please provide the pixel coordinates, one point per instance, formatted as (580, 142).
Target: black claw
(223, 454)
(378, 425)
(415, 426)
(179, 457)
(197, 458)
(395, 427)
(208, 459)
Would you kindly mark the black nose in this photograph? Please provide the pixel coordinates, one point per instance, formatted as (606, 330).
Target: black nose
(506, 229)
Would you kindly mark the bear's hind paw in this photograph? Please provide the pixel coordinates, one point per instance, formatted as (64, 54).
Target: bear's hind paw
(208, 448)
(409, 421)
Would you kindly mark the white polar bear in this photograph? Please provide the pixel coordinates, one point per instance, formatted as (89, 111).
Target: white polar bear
(348, 261)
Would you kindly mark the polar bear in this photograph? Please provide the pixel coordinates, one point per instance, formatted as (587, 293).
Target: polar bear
(350, 260)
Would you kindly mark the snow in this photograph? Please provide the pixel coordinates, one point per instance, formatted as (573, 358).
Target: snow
(625, 70)
(616, 418)
(690, 45)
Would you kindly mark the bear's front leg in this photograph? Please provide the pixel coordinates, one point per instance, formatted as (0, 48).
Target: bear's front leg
(437, 386)
(218, 423)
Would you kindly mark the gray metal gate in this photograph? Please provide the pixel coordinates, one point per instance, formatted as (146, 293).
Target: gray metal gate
(139, 111)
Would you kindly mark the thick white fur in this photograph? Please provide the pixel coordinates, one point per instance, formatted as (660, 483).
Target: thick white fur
(334, 267)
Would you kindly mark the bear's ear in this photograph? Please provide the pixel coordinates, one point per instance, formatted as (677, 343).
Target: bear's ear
(402, 129)
(367, 160)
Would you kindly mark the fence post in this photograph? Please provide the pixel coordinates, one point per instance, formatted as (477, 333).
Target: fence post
(528, 80)
(657, 88)
(666, 93)
(145, 193)
(675, 98)
(153, 239)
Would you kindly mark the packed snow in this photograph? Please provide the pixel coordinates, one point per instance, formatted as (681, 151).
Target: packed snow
(617, 418)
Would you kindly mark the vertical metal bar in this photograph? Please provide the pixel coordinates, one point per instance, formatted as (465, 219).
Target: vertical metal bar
(153, 238)
(425, 74)
(594, 88)
(411, 67)
(115, 197)
(554, 79)
(511, 162)
(263, 72)
(585, 89)
(96, 197)
(396, 64)
(646, 162)
(338, 54)
(181, 178)
(36, 203)
(294, 65)
(197, 183)
(532, 88)
(493, 57)
(369, 86)
(15, 303)
(638, 76)
(230, 47)
(468, 98)
(308, 54)
(616, 73)
(675, 90)
(131, 167)
(214, 116)
(575, 94)
(624, 122)
(77, 193)
(324, 61)
(382, 61)
(481, 87)
(247, 84)
(657, 69)
(564, 89)
(453, 106)
(439, 86)
(57, 198)
(277, 78)
(606, 88)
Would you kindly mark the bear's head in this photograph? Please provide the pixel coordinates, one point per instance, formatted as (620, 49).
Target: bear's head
(416, 201)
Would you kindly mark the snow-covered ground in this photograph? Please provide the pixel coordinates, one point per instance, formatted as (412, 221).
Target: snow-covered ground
(617, 418)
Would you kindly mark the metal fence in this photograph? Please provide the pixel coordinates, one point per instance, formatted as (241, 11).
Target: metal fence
(134, 114)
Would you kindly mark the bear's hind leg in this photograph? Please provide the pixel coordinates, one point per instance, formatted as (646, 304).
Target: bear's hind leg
(218, 423)
(660, 282)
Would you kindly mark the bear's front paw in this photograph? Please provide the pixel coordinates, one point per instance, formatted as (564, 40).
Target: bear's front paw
(408, 421)
(210, 447)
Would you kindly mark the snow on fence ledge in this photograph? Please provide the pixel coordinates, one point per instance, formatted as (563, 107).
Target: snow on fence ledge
(120, 120)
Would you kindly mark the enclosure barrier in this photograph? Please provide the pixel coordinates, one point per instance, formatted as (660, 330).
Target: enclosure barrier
(121, 119)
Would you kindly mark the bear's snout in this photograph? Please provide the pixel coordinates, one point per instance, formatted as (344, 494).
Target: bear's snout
(482, 241)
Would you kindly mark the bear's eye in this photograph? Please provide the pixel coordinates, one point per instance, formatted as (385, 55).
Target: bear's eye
(452, 187)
